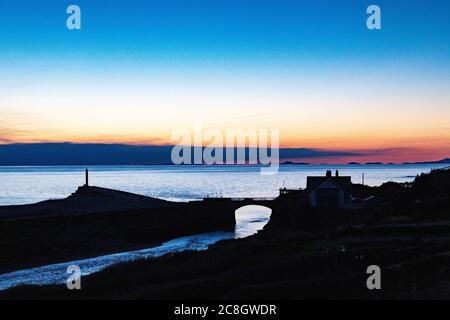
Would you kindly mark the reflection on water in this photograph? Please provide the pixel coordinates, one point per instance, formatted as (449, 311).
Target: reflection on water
(249, 220)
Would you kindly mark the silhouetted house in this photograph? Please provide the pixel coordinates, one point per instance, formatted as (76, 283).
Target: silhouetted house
(329, 191)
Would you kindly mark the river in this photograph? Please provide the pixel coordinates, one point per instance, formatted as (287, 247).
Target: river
(249, 220)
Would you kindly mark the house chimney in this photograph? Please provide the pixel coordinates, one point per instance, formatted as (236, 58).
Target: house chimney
(337, 173)
(328, 175)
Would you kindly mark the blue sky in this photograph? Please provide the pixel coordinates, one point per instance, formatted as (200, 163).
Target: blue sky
(232, 30)
(222, 59)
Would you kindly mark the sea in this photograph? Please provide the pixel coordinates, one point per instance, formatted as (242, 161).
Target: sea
(26, 185)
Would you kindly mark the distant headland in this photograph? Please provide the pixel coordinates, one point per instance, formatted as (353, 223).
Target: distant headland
(47, 154)
(86, 154)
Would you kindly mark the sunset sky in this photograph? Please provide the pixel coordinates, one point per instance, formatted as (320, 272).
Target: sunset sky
(138, 70)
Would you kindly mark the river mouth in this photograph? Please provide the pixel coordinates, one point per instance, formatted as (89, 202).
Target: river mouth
(249, 220)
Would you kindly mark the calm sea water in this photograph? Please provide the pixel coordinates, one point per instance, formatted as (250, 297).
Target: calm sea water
(24, 185)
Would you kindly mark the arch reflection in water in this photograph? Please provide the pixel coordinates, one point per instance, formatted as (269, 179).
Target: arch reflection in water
(250, 219)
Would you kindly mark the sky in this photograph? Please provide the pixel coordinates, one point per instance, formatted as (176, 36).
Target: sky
(139, 70)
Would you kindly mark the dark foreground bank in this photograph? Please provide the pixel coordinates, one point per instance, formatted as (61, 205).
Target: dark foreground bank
(292, 265)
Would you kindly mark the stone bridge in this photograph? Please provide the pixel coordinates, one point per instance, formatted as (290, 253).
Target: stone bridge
(225, 208)
(235, 203)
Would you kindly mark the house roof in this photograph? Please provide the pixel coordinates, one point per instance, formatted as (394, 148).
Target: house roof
(339, 182)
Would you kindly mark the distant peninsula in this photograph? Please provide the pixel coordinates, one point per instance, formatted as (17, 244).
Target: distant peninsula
(293, 162)
(443, 161)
